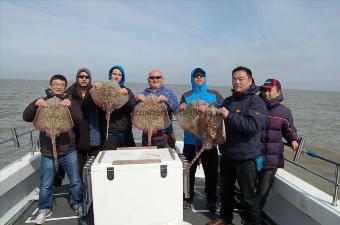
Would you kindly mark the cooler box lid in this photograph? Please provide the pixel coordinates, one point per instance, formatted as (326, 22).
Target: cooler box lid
(135, 159)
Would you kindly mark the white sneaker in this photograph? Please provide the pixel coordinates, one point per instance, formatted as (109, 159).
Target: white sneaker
(41, 218)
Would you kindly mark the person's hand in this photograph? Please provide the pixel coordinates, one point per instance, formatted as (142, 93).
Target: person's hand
(65, 103)
(162, 99)
(123, 91)
(41, 102)
(294, 146)
(182, 106)
(140, 97)
(97, 85)
(224, 112)
(202, 108)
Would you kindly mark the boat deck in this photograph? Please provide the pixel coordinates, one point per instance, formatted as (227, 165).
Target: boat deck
(64, 214)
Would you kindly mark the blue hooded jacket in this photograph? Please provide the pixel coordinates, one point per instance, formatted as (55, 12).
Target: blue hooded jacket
(199, 93)
(122, 81)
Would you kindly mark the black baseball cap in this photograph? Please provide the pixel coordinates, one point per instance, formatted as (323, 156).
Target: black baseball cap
(270, 83)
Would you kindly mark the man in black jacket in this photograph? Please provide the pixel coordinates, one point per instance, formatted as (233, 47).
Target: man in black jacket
(244, 115)
(66, 150)
(88, 131)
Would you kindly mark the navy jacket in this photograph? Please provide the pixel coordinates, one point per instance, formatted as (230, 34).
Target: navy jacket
(247, 116)
(279, 124)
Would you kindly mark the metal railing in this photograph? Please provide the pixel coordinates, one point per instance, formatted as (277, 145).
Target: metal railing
(313, 154)
(34, 144)
(19, 144)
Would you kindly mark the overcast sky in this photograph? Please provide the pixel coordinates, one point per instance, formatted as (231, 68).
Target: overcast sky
(297, 42)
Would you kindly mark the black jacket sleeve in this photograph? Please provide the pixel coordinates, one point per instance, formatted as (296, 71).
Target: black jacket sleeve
(76, 113)
(29, 112)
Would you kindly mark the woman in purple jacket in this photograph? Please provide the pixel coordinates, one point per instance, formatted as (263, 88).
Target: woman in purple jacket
(279, 124)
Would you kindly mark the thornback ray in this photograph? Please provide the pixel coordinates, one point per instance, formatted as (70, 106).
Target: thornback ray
(208, 127)
(150, 116)
(53, 119)
(108, 97)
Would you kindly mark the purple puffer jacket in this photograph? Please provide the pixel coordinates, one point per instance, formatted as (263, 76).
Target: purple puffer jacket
(279, 124)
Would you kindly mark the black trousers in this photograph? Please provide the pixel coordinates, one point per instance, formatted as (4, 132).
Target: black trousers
(244, 171)
(84, 155)
(265, 182)
(123, 140)
(209, 160)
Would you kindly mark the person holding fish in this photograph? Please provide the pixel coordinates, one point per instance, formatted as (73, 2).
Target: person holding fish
(209, 158)
(119, 130)
(56, 150)
(88, 131)
(163, 137)
(245, 114)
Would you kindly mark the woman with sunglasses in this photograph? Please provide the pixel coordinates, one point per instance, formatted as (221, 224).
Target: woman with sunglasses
(209, 158)
(165, 137)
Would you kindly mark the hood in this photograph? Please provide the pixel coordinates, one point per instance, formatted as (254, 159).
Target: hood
(272, 103)
(253, 89)
(74, 89)
(86, 71)
(122, 82)
(195, 87)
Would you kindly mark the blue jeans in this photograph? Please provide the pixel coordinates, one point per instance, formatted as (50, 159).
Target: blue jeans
(69, 162)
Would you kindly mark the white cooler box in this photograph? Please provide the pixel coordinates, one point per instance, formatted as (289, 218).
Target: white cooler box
(137, 187)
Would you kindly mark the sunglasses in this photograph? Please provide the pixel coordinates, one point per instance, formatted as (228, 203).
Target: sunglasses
(198, 75)
(156, 77)
(83, 77)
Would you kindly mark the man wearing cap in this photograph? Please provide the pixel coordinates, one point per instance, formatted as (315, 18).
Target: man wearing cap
(165, 137)
(209, 158)
(279, 124)
(244, 115)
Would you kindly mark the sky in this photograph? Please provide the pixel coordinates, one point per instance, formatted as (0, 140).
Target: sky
(296, 42)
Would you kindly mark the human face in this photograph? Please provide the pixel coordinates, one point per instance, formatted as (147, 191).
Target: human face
(83, 79)
(116, 75)
(270, 93)
(156, 79)
(199, 80)
(58, 86)
(241, 82)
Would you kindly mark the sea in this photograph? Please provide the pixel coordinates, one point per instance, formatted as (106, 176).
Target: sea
(316, 117)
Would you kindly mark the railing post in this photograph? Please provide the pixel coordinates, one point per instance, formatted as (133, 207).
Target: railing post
(336, 184)
(32, 143)
(15, 137)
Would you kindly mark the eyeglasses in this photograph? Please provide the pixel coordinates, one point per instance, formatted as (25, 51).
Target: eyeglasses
(58, 84)
(155, 77)
(198, 75)
(83, 77)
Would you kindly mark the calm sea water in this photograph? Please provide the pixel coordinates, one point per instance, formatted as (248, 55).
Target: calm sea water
(316, 116)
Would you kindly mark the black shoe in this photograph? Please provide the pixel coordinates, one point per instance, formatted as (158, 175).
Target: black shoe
(212, 207)
(186, 204)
